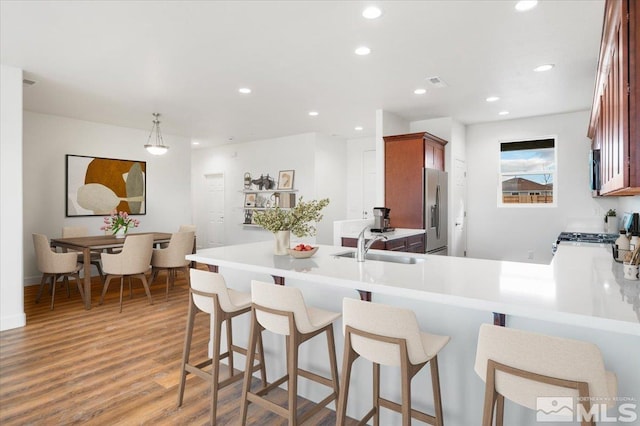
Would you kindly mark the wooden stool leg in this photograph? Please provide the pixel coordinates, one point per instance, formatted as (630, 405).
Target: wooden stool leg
(229, 346)
(347, 361)
(186, 350)
(215, 367)
(489, 396)
(333, 362)
(292, 370)
(121, 288)
(406, 395)
(54, 280)
(435, 385)
(251, 353)
(263, 366)
(499, 410)
(376, 394)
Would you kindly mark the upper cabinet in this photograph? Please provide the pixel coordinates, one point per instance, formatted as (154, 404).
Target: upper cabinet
(615, 114)
(405, 157)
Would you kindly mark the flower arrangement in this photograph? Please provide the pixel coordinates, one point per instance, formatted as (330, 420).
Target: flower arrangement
(119, 220)
(297, 219)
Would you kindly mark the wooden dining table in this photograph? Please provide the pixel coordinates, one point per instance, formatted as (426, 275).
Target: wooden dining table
(98, 243)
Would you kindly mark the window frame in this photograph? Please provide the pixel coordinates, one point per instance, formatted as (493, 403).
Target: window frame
(554, 173)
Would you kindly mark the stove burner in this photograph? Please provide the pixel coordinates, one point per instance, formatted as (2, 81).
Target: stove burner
(587, 237)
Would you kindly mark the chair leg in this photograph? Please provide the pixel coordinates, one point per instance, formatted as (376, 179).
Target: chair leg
(99, 268)
(333, 362)
(43, 281)
(66, 282)
(292, 371)
(54, 279)
(143, 278)
(489, 396)
(499, 410)
(435, 385)
(105, 287)
(229, 345)
(154, 275)
(167, 284)
(406, 396)
(215, 368)
(255, 330)
(80, 286)
(347, 361)
(376, 394)
(121, 288)
(186, 350)
(263, 366)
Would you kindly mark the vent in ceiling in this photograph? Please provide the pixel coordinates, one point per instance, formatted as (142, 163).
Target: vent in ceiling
(27, 82)
(436, 82)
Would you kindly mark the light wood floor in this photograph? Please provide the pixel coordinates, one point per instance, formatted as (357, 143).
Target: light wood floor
(100, 367)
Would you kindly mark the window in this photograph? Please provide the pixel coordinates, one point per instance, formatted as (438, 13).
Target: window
(527, 173)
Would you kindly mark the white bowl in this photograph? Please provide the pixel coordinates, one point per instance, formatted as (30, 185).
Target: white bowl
(302, 254)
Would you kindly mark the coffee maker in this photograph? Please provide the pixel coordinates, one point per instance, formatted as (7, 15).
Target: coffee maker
(381, 220)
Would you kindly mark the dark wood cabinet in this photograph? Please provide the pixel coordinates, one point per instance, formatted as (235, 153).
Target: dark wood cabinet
(615, 115)
(405, 158)
(412, 244)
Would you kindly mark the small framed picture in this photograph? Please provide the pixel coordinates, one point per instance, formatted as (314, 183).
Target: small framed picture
(250, 199)
(285, 179)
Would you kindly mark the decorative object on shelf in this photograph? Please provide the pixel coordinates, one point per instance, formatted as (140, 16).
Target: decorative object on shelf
(157, 147)
(248, 217)
(611, 222)
(299, 220)
(119, 223)
(96, 186)
(250, 199)
(264, 182)
(302, 251)
(285, 179)
(247, 180)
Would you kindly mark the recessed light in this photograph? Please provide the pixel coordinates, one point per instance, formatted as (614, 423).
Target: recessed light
(195, 143)
(503, 113)
(492, 99)
(545, 67)
(363, 51)
(371, 12)
(313, 113)
(358, 128)
(244, 90)
(420, 91)
(524, 5)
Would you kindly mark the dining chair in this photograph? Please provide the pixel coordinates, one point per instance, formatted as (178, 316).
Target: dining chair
(524, 366)
(55, 265)
(172, 259)
(82, 231)
(132, 262)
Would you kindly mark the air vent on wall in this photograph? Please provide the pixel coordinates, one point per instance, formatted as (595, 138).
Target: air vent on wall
(27, 82)
(436, 82)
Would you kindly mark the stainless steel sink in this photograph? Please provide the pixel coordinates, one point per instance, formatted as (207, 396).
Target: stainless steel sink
(383, 257)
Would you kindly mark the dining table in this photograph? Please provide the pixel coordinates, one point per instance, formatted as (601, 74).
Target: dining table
(98, 243)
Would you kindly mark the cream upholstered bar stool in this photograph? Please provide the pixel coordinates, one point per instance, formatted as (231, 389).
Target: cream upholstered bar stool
(55, 265)
(133, 262)
(388, 335)
(282, 310)
(523, 366)
(172, 258)
(82, 231)
(209, 294)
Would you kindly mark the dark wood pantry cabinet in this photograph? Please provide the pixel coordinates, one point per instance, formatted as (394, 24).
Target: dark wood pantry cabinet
(614, 126)
(405, 157)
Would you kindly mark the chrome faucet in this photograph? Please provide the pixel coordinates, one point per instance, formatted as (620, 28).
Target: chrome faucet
(363, 247)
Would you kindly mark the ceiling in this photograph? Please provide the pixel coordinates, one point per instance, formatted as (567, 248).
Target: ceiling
(118, 62)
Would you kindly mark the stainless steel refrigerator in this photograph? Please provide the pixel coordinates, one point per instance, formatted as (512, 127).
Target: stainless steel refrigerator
(435, 221)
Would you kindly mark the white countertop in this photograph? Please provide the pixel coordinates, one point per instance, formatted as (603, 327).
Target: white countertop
(391, 235)
(582, 286)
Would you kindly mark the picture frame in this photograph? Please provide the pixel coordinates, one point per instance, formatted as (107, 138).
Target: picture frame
(250, 199)
(285, 179)
(96, 186)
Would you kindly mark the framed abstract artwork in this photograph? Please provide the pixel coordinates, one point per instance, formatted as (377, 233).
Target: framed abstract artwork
(97, 186)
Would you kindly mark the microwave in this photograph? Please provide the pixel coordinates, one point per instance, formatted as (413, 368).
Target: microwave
(594, 171)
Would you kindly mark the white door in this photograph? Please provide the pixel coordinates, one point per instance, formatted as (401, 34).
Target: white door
(368, 183)
(459, 210)
(215, 210)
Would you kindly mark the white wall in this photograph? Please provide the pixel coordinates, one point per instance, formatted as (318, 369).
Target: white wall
(387, 124)
(11, 273)
(48, 138)
(354, 180)
(510, 233)
(313, 158)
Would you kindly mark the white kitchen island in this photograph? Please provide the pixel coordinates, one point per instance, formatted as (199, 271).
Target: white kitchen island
(581, 294)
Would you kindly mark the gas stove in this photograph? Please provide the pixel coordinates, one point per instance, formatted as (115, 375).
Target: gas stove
(584, 237)
(587, 237)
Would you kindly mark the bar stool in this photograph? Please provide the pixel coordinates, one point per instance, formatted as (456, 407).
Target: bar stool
(523, 366)
(387, 335)
(282, 310)
(209, 293)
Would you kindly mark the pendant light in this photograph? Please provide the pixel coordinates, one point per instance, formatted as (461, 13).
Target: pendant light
(157, 148)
